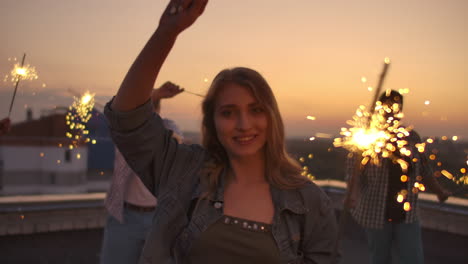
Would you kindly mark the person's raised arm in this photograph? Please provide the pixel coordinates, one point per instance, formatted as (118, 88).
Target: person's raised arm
(137, 131)
(138, 84)
(167, 90)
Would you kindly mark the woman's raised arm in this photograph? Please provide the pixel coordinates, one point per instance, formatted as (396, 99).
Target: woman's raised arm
(138, 84)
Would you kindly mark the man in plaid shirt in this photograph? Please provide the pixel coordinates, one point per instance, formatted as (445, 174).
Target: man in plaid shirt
(372, 198)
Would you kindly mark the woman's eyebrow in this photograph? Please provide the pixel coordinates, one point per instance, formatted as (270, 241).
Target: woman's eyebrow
(227, 106)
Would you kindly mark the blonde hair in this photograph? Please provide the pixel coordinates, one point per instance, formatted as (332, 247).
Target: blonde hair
(281, 170)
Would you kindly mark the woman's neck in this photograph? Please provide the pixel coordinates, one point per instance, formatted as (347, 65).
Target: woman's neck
(247, 170)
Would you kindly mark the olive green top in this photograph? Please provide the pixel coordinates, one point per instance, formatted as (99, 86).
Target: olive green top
(234, 240)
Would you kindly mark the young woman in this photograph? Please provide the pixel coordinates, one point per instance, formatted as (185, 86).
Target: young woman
(237, 199)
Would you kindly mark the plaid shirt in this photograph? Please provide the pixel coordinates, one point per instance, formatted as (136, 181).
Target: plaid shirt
(370, 208)
(115, 197)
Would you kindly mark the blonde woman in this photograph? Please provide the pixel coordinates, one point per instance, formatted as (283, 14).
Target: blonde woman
(239, 198)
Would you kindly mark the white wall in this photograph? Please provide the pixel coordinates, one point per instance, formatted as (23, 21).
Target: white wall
(28, 158)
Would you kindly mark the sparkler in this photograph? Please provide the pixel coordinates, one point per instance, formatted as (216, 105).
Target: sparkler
(373, 135)
(21, 72)
(78, 116)
(381, 81)
(376, 131)
(192, 93)
(77, 94)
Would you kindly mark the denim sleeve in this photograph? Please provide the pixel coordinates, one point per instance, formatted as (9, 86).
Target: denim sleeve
(320, 230)
(150, 150)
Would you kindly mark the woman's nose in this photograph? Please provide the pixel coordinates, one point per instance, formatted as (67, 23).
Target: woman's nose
(244, 122)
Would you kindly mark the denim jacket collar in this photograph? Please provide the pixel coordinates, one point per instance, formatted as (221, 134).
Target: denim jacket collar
(291, 200)
(218, 196)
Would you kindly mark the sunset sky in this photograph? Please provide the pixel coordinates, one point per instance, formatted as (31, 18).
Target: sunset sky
(314, 54)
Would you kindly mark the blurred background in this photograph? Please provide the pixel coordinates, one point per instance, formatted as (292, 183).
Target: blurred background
(322, 59)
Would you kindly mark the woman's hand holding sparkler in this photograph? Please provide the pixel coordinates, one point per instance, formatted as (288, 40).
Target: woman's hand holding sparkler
(181, 14)
(137, 86)
(5, 125)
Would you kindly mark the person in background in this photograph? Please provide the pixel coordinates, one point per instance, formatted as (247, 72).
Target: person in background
(373, 191)
(238, 198)
(129, 203)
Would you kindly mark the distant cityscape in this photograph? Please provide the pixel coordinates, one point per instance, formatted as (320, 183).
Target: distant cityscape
(37, 158)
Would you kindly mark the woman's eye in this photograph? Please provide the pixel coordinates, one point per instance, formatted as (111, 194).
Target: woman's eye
(257, 110)
(226, 113)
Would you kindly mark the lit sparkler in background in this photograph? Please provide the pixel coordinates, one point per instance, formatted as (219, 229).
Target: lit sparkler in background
(21, 72)
(78, 116)
(372, 134)
(375, 133)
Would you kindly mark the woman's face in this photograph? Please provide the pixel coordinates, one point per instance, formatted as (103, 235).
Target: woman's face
(241, 122)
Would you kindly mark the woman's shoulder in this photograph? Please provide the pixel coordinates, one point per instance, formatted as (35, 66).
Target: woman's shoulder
(314, 197)
(303, 199)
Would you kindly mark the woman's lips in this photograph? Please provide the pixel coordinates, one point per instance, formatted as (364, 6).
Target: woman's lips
(244, 140)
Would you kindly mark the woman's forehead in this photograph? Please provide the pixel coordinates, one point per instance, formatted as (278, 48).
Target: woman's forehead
(235, 94)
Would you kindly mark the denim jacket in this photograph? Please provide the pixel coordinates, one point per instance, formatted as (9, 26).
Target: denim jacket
(304, 225)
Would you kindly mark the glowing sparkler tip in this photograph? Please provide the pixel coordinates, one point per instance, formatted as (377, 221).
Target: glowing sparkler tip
(375, 135)
(387, 60)
(25, 72)
(427, 102)
(20, 71)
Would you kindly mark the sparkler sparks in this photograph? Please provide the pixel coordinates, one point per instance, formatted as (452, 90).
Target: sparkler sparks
(26, 72)
(377, 133)
(78, 116)
(381, 135)
(20, 72)
(374, 135)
